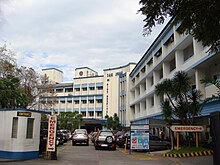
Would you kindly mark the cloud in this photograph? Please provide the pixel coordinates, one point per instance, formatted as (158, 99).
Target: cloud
(68, 34)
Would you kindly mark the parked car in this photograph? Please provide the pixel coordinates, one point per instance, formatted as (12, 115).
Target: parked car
(60, 139)
(122, 139)
(80, 136)
(105, 139)
(156, 143)
(65, 135)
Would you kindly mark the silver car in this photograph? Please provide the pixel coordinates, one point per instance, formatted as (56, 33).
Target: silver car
(80, 136)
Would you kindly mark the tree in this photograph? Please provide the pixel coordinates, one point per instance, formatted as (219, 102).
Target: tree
(200, 18)
(77, 121)
(65, 120)
(11, 95)
(8, 64)
(19, 86)
(112, 122)
(182, 103)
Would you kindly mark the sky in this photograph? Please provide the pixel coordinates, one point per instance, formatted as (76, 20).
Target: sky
(67, 34)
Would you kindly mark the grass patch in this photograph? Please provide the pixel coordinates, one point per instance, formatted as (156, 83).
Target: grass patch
(187, 150)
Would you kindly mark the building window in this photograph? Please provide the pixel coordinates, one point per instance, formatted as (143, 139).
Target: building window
(30, 128)
(150, 62)
(14, 131)
(91, 101)
(161, 73)
(59, 90)
(62, 102)
(84, 89)
(83, 114)
(76, 101)
(100, 88)
(99, 114)
(158, 53)
(172, 64)
(91, 113)
(188, 52)
(152, 101)
(92, 88)
(77, 89)
(143, 69)
(99, 101)
(152, 80)
(84, 101)
(69, 90)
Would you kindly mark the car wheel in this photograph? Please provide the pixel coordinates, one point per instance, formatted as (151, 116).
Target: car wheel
(109, 139)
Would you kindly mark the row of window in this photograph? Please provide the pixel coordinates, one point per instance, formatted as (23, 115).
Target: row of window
(187, 53)
(77, 89)
(91, 114)
(82, 101)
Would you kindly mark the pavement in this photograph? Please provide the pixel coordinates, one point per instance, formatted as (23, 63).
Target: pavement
(156, 155)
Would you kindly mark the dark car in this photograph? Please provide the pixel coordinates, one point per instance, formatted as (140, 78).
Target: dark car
(105, 139)
(121, 140)
(60, 139)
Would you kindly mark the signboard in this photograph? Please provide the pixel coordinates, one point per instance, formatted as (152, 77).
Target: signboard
(187, 128)
(52, 128)
(139, 137)
(24, 114)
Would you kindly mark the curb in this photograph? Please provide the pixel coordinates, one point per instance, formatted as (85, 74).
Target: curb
(192, 154)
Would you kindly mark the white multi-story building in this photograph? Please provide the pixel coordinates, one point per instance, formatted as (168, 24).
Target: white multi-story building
(92, 95)
(169, 53)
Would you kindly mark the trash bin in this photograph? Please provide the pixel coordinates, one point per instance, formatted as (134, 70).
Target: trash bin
(215, 133)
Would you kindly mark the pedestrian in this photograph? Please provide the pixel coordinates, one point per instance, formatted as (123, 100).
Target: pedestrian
(162, 135)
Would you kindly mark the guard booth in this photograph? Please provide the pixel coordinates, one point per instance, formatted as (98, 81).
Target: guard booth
(20, 133)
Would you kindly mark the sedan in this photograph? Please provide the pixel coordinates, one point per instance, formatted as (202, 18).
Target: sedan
(80, 136)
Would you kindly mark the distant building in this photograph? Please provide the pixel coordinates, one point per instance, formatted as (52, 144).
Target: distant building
(55, 75)
(92, 95)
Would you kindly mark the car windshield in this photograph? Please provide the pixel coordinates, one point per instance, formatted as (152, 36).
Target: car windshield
(106, 134)
(80, 131)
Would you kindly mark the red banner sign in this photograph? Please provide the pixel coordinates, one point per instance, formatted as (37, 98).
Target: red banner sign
(52, 128)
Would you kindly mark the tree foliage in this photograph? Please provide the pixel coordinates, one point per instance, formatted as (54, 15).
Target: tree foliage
(200, 18)
(66, 120)
(112, 122)
(182, 104)
(19, 85)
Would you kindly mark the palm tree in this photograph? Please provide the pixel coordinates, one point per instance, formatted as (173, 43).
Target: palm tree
(182, 103)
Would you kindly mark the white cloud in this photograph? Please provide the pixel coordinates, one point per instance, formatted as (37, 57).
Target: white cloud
(70, 33)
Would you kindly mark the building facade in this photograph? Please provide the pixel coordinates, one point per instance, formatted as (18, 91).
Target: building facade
(92, 95)
(169, 53)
